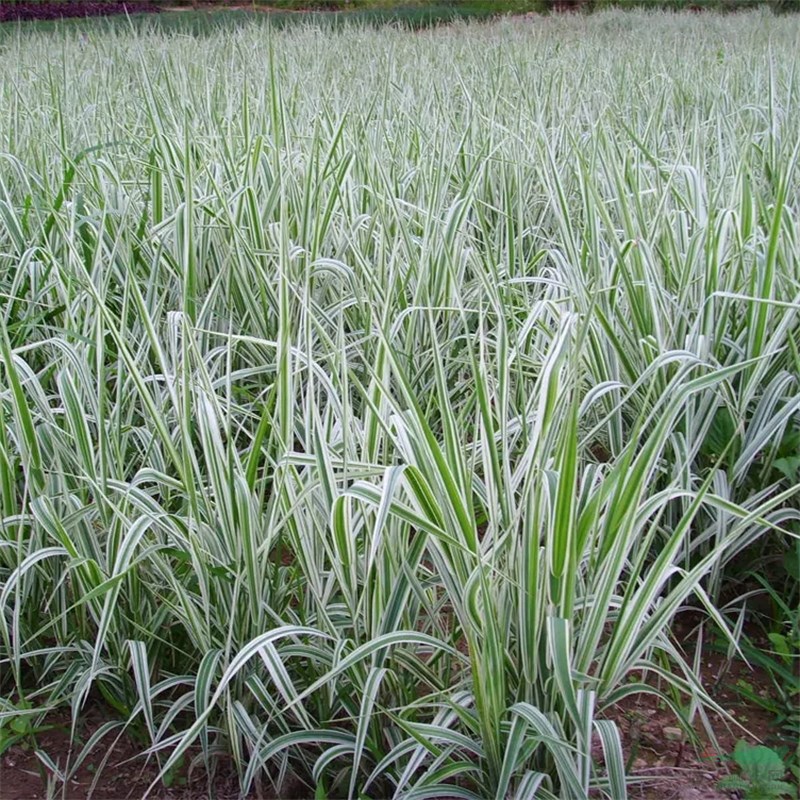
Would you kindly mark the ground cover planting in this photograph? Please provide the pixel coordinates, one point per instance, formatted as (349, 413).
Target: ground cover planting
(383, 413)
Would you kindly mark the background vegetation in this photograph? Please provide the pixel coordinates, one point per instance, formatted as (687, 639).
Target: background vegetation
(454, 7)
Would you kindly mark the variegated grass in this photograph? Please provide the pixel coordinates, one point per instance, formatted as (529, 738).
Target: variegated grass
(372, 402)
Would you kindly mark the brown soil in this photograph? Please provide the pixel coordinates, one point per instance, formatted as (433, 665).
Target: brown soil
(125, 775)
(669, 769)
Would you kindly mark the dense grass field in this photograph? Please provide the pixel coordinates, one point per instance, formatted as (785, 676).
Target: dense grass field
(373, 402)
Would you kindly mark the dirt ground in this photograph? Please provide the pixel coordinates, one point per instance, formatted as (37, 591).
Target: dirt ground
(670, 768)
(124, 774)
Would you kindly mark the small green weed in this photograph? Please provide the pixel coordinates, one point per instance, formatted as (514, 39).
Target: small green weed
(175, 775)
(19, 725)
(780, 660)
(761, 773)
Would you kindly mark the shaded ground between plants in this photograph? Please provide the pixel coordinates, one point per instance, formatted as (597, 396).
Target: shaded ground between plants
(665, 767)
(121, 775)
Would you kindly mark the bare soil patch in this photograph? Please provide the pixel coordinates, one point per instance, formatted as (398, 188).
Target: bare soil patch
(122, 775)
(669, 766)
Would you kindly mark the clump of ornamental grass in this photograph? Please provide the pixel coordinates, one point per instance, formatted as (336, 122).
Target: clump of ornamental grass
(372, 403)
